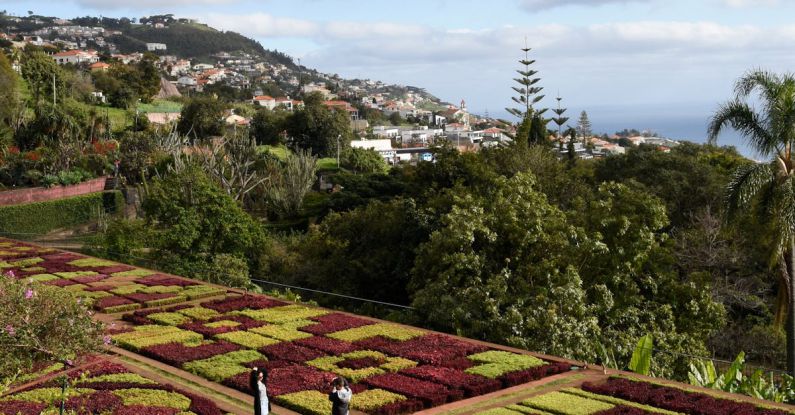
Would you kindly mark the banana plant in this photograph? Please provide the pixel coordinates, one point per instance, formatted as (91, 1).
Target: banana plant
(641, 356)
(768, 387)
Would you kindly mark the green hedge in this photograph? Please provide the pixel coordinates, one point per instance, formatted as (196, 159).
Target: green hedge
(43, 217)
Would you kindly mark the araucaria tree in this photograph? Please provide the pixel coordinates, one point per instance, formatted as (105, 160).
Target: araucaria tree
(584, 127)
(767, 190)
(532, 128)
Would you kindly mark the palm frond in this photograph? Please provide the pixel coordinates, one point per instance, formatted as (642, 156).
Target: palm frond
(747, 182)
(741, 117)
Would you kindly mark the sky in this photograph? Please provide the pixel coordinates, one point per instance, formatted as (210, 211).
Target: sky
(663, 65)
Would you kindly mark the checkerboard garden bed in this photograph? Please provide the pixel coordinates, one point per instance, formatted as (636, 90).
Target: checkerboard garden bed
(626, 396)
(219, 335)
(109, 388)
(113, 287)
(393, 369)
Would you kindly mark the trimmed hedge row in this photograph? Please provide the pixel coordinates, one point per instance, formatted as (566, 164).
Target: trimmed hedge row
(43, 217)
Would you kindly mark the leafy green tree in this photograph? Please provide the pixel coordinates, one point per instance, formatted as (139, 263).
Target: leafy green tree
(42, 74)
(630, 278)
(362, 160)
(365, 252)
(138, 156)
(268, 127)
(499, 269)
(193, 220)
(227, 270)
(69, 121)
(395, 118)
(317, 128)
(9, 99)
(767, 189)
(202, 118)
(40, 323)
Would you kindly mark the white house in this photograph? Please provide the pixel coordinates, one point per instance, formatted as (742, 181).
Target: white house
(151, 47)
(186, 81)
(75, 57)
(383, 131)
(265, 101)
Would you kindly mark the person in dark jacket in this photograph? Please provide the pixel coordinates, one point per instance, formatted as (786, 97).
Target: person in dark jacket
(258, 380)
(340, 396)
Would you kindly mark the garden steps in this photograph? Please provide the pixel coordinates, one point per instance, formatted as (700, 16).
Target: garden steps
(517, 393)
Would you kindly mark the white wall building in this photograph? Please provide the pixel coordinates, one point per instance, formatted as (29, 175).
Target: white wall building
(151, 47)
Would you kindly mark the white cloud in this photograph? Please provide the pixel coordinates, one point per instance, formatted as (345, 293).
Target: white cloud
(139, 4)
(540, 5)
(751, 3)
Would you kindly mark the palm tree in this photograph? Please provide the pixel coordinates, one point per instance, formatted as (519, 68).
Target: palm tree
(767, 190)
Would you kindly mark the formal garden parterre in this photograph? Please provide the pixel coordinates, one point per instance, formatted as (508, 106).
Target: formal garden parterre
(105, 387)
(221, 334)
(113, 287)
(626, 396)
(392, 368)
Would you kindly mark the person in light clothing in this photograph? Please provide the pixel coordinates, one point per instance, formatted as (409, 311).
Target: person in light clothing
(340, 396)
(259, 377)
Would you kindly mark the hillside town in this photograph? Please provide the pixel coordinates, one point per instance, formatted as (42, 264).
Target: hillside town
(408, 120)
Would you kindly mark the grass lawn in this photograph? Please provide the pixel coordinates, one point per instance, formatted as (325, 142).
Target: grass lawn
(281, 152)
(160, 105)
(327, 164)
(119, 118)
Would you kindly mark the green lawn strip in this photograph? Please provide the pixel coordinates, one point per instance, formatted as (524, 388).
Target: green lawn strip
(512, 397)
(566, 404)
(189, 385)
(617, 401)
(714, 394)
(526, 410)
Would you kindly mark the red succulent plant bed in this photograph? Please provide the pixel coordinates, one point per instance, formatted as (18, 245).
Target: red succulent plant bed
(674, 399)
(109, 396)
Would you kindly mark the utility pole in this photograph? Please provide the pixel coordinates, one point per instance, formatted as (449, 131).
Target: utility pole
(338, 150)
(53, 90)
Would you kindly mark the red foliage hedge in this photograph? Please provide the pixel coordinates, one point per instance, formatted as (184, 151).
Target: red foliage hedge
(239, 303)
(431, 394)
(144, 410)
(88, 279)
(165, 280)
(291, 352)
(361, 363)
(472, 385)
(330, 323)
(429, 349)
(63, 282)
(327, 345)
(21, 408)
(176, 354)
(99, 402)
(144, 297)
(528, 375)
(400, 407)
(674, 399)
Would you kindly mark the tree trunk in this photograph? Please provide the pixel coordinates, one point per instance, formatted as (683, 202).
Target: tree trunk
(791, 308)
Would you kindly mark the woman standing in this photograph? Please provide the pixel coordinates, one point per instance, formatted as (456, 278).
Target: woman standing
(258, 379)
(340, 396)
